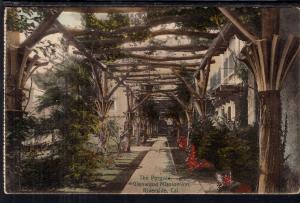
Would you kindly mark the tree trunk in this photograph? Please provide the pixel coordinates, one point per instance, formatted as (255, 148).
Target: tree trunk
(270, 118)
(130, 130)
(269, 143)
(177, 129)
(189, 125)
(138, 134)
(14, 113)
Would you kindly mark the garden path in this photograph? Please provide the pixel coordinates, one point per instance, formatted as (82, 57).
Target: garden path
(157, 174)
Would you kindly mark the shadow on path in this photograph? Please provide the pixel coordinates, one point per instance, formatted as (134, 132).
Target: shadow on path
(114, 178)
(206, 177)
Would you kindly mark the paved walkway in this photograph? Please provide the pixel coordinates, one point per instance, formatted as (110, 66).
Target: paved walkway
(157, 174)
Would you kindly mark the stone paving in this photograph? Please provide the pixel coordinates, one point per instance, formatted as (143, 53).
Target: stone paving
(157, 174)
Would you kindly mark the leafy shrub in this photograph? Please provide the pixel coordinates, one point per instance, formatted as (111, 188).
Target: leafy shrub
(235, 150)
(41, 173)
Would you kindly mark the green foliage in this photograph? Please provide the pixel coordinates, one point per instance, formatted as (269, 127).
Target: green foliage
(235, 150)
(174, 112)
(106, 52)
(148, 110)
(209, 18)
(199, 18)
(251, 16)
(21, 128)
(110, 129)
(72, 113)
(25, 19)
(18, 128)
(241, 71)
(41, 174)
(113, 21)
(183, 94)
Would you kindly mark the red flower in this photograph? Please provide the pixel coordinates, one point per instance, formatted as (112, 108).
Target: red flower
(227, 180)
(182, 143)
(243, 188)
(193, 163)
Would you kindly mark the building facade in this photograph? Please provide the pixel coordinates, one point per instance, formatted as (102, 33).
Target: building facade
(225, 87)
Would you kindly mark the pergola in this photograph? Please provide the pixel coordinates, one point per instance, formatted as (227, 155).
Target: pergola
(268, 57)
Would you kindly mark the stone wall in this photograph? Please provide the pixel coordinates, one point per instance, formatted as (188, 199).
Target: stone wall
(290, 94)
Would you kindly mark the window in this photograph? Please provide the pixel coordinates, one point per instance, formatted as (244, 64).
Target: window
(114, 105)
(226, 68)
(215, 79)
(231, 64)
(222, 112)
(229, 113)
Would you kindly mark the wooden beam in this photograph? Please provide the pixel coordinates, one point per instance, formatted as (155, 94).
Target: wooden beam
(121, 80)
(234, 19)
(171, 77)
(182, 104)
(225, 34)
(141, 102)
(179, 48)
(143, 63)
(38, 33)
(150, 75)
(167, 58)
(91, 32)
(152, 23)
(207, 35)
(151, 70)
(156, 91)
(105, 9)
(148, 59)
(155, 82)
(82, 49)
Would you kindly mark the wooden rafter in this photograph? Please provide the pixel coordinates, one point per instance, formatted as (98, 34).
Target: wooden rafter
(91, 32)
(104, 9)
(243, 28)
(143, 63)
(151, 23)
(146, 97)
(38, 33)
(271, 76)
(137, 83)
(182, 104)
(156, 91)
(224, 35)
(180, 48)
(167, 58)
(149, 75)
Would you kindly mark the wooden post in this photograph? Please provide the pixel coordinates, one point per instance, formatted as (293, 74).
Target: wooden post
(189, 125)
(269, 142)
(270, 60)
(13, 98)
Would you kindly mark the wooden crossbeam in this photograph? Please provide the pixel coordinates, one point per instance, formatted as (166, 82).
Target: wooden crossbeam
(148, 70)
(167, 58)
(225, 34)
(38, 34)
(234, 19)
(179, 48)
(148, 58)
(154, 82)
(150, 75)
(105, 9)
(92, 32)
(143, 63)
(156, 91)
